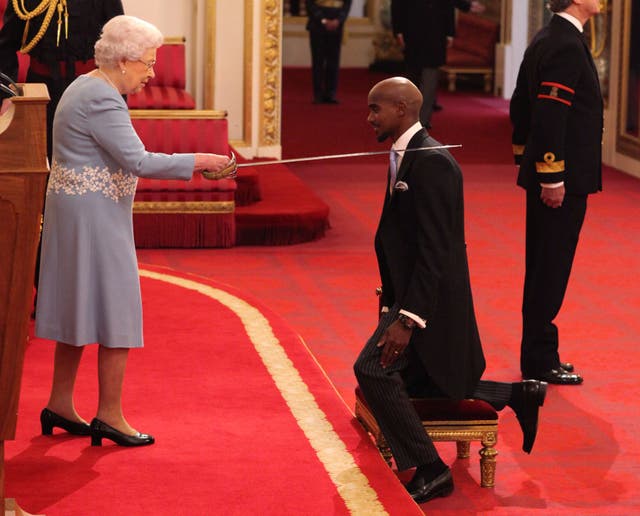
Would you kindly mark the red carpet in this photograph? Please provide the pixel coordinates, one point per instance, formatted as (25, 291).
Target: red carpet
(245, 422)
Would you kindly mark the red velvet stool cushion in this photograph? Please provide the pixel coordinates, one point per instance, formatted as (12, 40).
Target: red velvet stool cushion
(448, 410)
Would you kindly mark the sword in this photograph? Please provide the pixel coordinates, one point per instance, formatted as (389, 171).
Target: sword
(337, 156)
(230, 171)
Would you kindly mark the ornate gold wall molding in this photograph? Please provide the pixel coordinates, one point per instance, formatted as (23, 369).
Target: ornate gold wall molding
(270, 94)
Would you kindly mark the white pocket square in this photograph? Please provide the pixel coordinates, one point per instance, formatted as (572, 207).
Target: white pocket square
(401, 186)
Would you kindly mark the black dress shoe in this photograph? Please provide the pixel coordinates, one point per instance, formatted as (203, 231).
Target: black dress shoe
(422, 490)
(559, 376)
(100, 429)
(527, 397)
(50, 419)
(436, 107)
(567, 366)
(331, 100)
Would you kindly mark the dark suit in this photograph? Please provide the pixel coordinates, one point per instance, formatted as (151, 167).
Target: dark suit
(325, 45)
(421, 252)
(557, 116)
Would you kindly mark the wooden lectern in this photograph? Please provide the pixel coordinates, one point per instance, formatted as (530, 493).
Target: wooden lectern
(23, 178)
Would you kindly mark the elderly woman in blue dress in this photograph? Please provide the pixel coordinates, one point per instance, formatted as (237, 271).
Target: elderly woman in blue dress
(89, 284)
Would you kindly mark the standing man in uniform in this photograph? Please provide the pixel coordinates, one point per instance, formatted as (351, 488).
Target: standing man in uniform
(557, 116)
(60, 46)
(326, 26)
(426, 342)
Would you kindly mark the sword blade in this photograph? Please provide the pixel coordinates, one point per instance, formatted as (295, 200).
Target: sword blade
(338, 156)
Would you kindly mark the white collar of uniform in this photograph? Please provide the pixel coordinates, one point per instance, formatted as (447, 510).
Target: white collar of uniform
(572, 19)
(405, 138)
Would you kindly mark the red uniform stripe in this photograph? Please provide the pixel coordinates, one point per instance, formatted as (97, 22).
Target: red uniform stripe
(554, 98)
(558, 85)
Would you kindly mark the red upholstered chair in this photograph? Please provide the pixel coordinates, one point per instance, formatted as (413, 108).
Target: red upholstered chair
(173, 213)
(473, 49)
(446, 420)
(167, 89)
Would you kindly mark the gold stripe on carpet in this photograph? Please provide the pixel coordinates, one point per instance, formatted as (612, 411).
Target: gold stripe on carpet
(352, 485)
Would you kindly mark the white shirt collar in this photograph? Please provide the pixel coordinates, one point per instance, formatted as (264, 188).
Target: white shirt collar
(572, 19)
(405, 138)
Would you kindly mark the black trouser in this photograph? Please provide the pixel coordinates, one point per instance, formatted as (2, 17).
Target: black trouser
(325, 62)
(386, 392)
(426, 80)
(551, 241)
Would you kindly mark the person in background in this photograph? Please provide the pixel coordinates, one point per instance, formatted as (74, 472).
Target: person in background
(59, 41)
(557, 116)
(424, 29)
(89, 284)
(427, 342)
(325, 24)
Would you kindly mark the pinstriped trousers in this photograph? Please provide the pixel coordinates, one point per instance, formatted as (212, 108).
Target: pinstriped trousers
(387, 397)
(385, 391)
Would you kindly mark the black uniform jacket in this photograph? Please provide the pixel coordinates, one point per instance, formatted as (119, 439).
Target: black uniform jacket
(329, 9)
(86, 18)
(421, 251)
(557, 112)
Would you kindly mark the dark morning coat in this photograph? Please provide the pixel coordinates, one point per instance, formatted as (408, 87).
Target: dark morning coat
(425, 26)
(421, 251)
(557, 112)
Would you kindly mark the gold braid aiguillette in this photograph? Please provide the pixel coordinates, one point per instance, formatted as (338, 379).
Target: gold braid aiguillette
(51, 6)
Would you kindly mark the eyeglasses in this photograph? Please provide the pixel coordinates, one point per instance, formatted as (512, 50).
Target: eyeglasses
(149, 65)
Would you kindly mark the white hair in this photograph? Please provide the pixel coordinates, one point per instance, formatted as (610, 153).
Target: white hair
(126, 37)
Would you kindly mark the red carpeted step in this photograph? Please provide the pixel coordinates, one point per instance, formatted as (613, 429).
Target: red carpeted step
(289, 212)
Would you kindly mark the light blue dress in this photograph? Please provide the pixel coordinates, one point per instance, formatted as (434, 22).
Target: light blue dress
(89, 288)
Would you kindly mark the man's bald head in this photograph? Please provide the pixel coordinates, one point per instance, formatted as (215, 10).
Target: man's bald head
(394, 106)
(399, 90)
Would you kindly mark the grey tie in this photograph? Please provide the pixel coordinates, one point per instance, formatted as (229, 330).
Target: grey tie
(393, 169)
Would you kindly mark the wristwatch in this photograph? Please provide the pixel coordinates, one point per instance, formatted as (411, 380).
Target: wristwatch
(407, 322)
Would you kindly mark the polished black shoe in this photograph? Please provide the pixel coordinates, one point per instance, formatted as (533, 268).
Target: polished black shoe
(331, 100)
(558, 376)
(527, 397)
(422, 491)
(567, 366)
(436, 107)
(100, 429)
(50, 419)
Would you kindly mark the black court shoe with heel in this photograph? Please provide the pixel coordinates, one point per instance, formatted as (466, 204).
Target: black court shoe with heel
(99, 429)
(49, 420)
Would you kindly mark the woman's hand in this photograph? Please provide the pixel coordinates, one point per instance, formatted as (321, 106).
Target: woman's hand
(216, 166)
